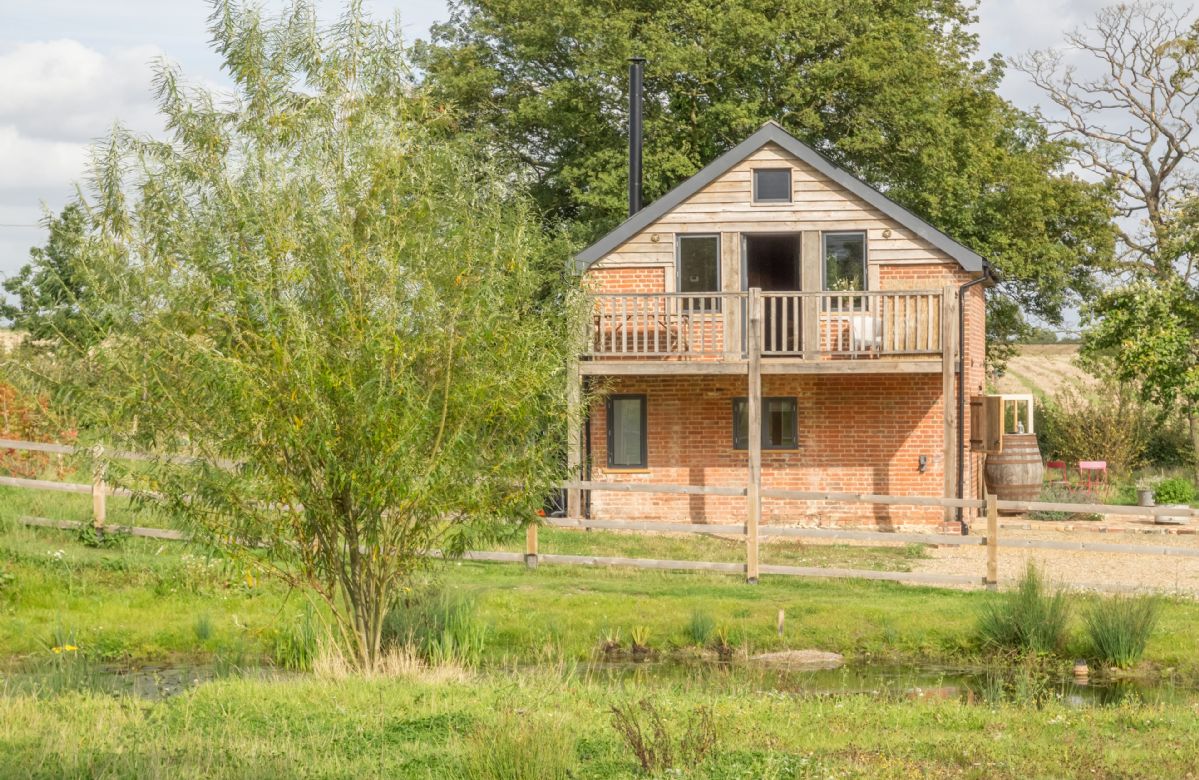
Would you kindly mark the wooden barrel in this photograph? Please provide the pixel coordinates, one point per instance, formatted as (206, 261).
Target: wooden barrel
(1016, 473)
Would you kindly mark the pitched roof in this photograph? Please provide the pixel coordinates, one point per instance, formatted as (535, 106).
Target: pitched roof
(771, 132)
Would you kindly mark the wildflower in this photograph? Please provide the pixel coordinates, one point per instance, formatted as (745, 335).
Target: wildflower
(59, 650)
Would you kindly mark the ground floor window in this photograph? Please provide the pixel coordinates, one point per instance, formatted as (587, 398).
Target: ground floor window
(780, 427)
(626, 432)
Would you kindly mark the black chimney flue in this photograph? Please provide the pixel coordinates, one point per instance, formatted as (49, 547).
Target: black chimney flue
(636, 67)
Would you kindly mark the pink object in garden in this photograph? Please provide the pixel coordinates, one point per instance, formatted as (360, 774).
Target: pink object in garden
(1092, 473)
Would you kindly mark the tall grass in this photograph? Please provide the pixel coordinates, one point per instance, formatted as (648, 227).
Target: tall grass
(438, 624)
(298, 642)
(1029, 618)
(700, 629)
(517, 747)
(1118, 628)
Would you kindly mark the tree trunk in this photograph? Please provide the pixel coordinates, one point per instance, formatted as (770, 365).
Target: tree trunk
(1193, 421)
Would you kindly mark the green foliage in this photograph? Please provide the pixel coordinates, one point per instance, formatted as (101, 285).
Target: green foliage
(1096, 422)
(298, 641)
(53, 293)
(438, 623)
(202, 627)
(1119, 627)
(1029, 618)
(1057, 494)
(892, 91)
(105, 538)
(334, 304)
(1174, 490)
(518, 747)
(700, 628)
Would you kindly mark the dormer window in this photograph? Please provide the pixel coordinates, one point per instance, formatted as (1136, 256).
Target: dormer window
(772, 185)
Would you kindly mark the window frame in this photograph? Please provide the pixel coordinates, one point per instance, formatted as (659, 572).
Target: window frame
(766, 445)
(774, 201)
(611, 430)
(679, 238)
(860, 304)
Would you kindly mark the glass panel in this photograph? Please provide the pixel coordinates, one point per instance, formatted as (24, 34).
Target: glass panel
(772, 184)
(626, 432)
(740, 424)
(845, 261)
(780, 423)
(699, 263)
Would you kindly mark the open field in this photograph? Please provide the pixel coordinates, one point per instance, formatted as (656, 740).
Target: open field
(1040, 369)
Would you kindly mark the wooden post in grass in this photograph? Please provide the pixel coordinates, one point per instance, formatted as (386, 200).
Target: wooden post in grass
(531, 545)
(992, 541)
(753, 492)
(99, 495)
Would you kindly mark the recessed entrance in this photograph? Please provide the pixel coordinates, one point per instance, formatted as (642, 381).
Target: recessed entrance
(772, 265)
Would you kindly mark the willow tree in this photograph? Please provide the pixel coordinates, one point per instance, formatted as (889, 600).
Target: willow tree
(350, 322)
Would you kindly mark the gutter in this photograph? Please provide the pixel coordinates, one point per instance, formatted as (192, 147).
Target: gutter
(989, 278)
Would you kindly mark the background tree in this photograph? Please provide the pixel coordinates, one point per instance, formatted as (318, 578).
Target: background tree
(1130, 116)
(50, 290)
(334, 305)
(891, 91)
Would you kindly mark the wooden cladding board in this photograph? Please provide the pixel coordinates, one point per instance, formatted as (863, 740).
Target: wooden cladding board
(818, 204)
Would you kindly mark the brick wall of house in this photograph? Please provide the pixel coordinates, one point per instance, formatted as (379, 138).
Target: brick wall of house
(857, 433)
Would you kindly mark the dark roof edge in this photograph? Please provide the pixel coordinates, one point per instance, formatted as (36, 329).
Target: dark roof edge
(772, 132)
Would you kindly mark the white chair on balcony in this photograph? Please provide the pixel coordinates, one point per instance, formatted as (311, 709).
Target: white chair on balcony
(865, 333)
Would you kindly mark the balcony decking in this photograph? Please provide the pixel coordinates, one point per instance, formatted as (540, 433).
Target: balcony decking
(799, 332)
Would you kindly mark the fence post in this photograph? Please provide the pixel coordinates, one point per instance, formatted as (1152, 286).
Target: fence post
(992, 542)
(949, 369)
(753, 488)
(99, 499)
(531, 545)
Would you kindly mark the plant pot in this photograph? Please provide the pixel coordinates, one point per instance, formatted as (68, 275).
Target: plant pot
(1179, 519)
(1145, 497)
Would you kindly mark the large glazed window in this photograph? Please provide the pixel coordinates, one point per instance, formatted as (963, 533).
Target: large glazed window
(772, 185)
(844, 262)
(780, 424)
(626, 432)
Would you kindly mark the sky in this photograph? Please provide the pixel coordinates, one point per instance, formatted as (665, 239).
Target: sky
(70, 68)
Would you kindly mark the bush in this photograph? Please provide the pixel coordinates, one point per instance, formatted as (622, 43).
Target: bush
(518, 747)
(1175, 490)
(437, 624)
(1118, 628)
(1055, 494)
(644, 730)
(1029, 618)
(1096, 423)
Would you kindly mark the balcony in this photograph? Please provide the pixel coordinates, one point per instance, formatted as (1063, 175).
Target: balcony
(797, 332)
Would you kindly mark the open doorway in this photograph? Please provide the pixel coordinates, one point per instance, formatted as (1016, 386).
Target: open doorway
(772, 265)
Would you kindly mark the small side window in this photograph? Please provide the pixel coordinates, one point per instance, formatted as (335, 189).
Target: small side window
(626, 432)
(780, 424)
(772, 185)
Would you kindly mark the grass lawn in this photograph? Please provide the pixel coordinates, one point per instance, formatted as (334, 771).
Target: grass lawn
(533, 694)
(561, 727)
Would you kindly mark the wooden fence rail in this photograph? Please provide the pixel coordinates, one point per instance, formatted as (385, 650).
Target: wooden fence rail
(749, 531)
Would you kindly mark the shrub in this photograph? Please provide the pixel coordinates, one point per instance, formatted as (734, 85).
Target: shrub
(1096, 422)
(700, 628)
(438, 624)
(1028, 618)
(298, 642)
(517, 747)
(643, 729)
(1055, 494)
(1118, 628)
(1175, 490)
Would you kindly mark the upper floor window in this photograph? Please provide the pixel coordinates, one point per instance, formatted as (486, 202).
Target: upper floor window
(844, 261)
(772, 185)
(699, 269)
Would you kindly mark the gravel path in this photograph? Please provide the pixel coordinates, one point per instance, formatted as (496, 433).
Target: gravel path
(1079, 569)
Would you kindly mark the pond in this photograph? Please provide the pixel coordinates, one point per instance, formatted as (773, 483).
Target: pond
(1026, 685)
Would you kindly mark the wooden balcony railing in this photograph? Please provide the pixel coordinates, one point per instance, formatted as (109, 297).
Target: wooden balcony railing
(802, 325)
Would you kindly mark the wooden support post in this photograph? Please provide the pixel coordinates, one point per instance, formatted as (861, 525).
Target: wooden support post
(811, 280)
(754, 431)
(531, 545)
(732, 306)
(992, 541)
(99, 501)
(949, 356)
(574, 444)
